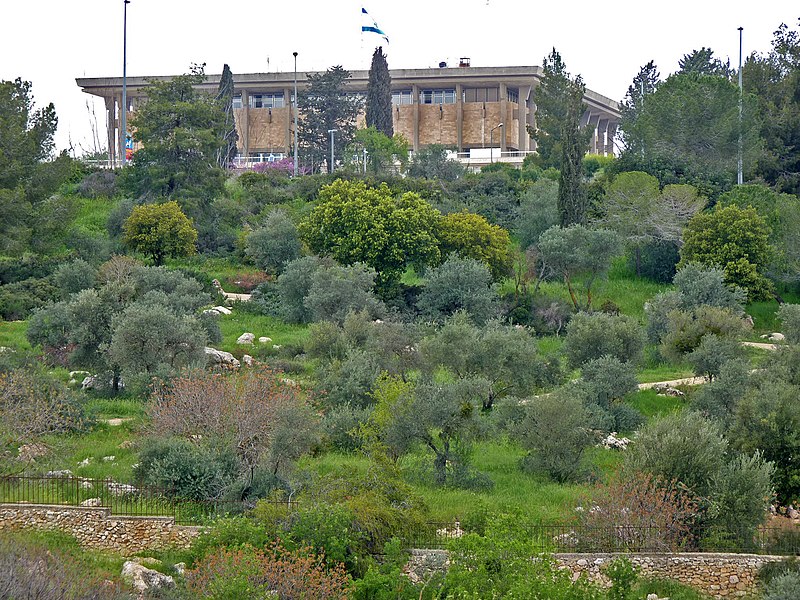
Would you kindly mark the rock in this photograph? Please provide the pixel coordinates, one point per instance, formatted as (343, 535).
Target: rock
(92, 502)
(4, 349)
(180, 568)
(264, 340)
(612, 442)
(246, 338)
(120, 489)
(276, 346)
(670, 391)
(126, 445)
(777, 337)
(61, 473)
(143, 579)
(30, 452)
(792, 513)
(221, 358)
(89, 382)
(85, 462)
(223, 310)
(749, 320)
(111, 458)
(147, 561)
(247, 360)
(86, 484)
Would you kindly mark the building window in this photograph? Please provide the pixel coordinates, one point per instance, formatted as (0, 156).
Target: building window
(513, 95)
(267, 100)
(486, 94)
(437, 96)
(402, 97)
(237, 101)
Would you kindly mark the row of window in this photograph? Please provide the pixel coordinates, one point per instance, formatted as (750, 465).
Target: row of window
(448, 96)
(399, 97)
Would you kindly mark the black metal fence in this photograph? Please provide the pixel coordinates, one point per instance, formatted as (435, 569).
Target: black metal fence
(122, 499)
(563, 538)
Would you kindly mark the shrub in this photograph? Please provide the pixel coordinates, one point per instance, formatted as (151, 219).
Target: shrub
(626, 418)
(653, 513)
(458, 284)
(249, 573)
(719, 398)
(657, 260)
(712, 353)
(29, 570)
(32, 405)
(783, 587)
(275, 243)
(789, 315)
(608, 379)
(538, 211)
(185, 470)
(337, 291)
(100, 184)
(554, 431)
(340, 427)
(18, 300)
(75, 276)
(472, 236)
(293, 287)
(700, 285)
(686, 330)
(682, 447)
(159, 231)
(594, 335)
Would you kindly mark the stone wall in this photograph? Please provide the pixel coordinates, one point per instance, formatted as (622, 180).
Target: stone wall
(718, 575)
(96, 528)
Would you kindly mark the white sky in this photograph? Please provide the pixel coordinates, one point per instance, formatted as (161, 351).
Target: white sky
(51, 42)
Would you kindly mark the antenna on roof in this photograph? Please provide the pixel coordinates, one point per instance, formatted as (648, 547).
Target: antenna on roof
(268, 64)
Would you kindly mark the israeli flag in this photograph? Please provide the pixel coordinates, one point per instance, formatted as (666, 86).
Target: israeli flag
(371, 26)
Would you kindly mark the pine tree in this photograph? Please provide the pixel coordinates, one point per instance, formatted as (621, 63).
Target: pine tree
(226, 154)
(572, 199)
(379, 95)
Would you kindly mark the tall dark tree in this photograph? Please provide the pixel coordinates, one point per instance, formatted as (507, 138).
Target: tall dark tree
(379, 95)
(226, 154)
(572, 198)
(775, 80)
(325, 105)
(26, 135)
(181, 130)
(642, 86)
(551, 110)
(703, 62)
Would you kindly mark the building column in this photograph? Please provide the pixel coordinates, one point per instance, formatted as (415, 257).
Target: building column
(611, 133)
(522, 113)
(245, 123)
(599, 130)
(121, 134)
(459, 119)
(415, 100)
(504, 116)
(111, 127)
(287, 93)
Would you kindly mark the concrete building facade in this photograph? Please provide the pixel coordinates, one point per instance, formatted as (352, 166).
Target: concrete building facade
(481, 112)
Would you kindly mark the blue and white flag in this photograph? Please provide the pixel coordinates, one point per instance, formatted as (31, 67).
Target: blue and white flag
(371, 26)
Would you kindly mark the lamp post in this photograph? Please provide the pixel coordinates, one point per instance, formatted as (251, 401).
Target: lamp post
(491, 141)
(124, 128)
(295, 113)
(331, 132)
(739, 177)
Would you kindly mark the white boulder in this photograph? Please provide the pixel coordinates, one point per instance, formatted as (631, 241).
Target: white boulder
(246, 338)
(264, 339)
(223, 310)
(143, 579)
(247, 360)
(92, 502)
(220, 357)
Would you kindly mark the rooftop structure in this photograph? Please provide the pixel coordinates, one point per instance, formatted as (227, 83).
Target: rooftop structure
(481, 112)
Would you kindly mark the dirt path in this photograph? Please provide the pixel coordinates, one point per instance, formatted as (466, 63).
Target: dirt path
(674, 382)
(761, 345)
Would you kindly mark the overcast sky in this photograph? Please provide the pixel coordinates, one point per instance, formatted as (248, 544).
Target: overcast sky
(51, 42)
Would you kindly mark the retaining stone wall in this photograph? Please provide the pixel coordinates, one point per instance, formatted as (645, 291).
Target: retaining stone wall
(96, 528)
(721, 576)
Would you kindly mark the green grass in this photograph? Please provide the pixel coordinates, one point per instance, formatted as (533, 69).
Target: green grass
(92, 214)
(650, 404)
(68, 451)
(227, 271)
(113, 408)
(12, 335)
(663, 372)
(282, 334)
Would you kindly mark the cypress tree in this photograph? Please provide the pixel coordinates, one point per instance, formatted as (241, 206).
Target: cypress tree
(225, 97)
(572, 198)
(379, 95)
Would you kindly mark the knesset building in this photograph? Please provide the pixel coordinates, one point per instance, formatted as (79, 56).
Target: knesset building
(459, 107)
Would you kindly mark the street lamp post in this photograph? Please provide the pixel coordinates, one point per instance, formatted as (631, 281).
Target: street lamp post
(295, 113)
(124, 129)
(739, 177)
(491, 141)
(331, 132)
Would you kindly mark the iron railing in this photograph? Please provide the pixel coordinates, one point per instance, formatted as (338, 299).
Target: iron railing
(564, 538)
(122, 499)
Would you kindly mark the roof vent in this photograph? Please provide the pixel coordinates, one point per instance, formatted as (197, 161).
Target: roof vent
(442, 65)
(463, 62)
